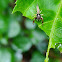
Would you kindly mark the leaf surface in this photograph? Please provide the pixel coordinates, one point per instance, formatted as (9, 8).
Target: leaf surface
(5, 55)
(52, 10)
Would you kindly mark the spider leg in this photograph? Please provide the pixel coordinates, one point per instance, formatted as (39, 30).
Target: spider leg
(34, 20)
(42, 20)
(40, 11)
(41, 14)
(33, 16)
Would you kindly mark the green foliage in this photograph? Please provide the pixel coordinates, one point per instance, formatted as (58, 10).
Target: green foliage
(22, 43)
(3, 25)
(3, 4)
(52, 18)
(59, 46)
(14, 29)
(4, 41)
(38, 36)
(29, 24)
(5, 55)
(37, 57)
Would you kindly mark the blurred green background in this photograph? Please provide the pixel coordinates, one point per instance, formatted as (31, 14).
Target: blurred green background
(20, 40)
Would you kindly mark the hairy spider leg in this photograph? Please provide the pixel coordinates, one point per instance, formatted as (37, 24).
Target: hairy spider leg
(34, 20)
(42, 20)
(40, 11)
(41, 14)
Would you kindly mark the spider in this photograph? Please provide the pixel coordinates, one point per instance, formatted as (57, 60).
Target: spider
(38, 15)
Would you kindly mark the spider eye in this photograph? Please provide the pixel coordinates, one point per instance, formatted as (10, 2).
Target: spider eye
(37, 14)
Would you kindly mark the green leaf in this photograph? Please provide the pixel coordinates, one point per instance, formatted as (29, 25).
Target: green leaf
(22, 43)
(59, 46)
(37, 57)
(54, 60)
(29, 24)
(18, 56)
(3, 41)
(38, 36)
(3, 25)
(3, 4)
(42, 46)
(52, 10)
(14, 29)
(5, 55)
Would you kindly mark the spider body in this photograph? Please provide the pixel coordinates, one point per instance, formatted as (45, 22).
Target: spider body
(38, 15)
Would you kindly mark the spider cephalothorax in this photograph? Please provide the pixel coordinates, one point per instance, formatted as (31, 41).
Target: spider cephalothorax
(38, 16)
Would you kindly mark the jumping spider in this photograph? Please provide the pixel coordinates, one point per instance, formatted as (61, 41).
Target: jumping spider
(38, 15)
